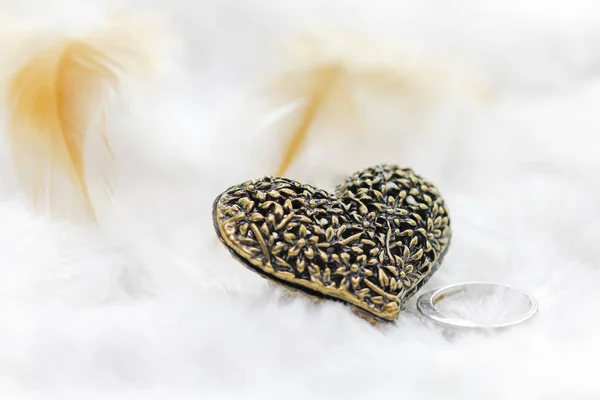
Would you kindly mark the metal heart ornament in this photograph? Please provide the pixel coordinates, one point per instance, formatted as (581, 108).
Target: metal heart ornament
(372, 245)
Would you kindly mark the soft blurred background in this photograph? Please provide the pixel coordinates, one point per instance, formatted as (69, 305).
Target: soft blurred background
(495, 102)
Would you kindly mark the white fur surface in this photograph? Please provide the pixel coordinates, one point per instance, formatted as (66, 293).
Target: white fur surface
(152, 307)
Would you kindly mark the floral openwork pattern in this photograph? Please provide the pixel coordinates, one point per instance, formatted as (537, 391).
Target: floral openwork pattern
(372, 245)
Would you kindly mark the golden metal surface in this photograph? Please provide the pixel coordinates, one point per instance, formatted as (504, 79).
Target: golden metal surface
(372, 245)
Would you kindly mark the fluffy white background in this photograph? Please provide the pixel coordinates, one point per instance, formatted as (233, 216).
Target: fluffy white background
(151, 307)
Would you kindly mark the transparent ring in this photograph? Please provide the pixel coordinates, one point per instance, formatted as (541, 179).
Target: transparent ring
(480, 305)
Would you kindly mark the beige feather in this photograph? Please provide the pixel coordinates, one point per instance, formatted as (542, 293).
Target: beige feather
(327, 74)
(58, 103)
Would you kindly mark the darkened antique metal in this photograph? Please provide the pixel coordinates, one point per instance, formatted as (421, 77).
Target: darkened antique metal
(372, 245)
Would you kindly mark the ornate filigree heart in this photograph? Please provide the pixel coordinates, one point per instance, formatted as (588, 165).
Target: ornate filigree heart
(372, 245)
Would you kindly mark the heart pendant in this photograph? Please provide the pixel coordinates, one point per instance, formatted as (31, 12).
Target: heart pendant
(372, 245)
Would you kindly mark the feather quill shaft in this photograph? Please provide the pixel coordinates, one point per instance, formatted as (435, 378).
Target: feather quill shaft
(325, 79)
